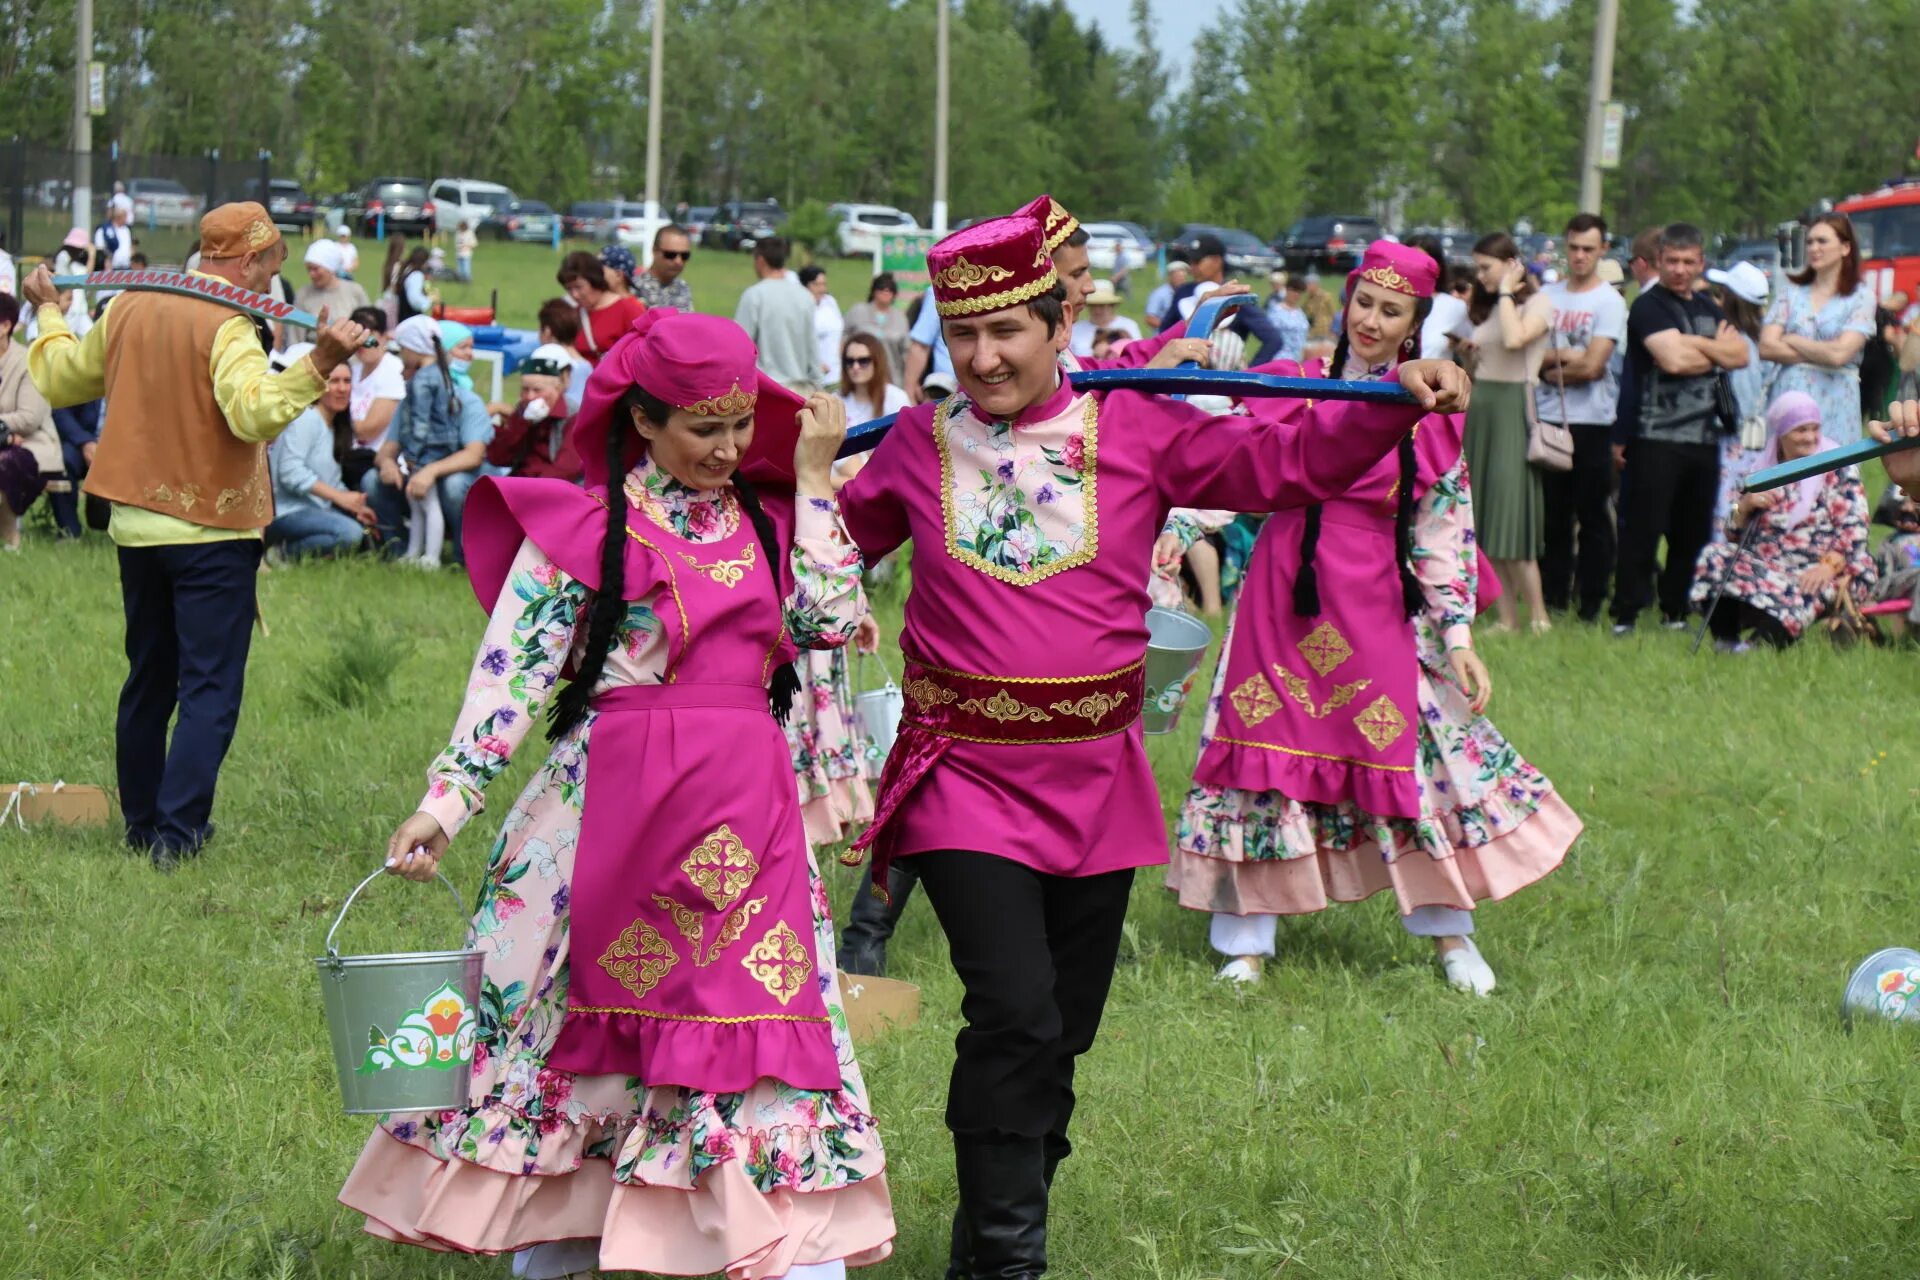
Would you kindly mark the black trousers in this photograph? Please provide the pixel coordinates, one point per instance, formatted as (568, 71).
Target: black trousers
(1669, 492)
(1035, 954)
(189, 611)
(1730, 617)
(1580, 524)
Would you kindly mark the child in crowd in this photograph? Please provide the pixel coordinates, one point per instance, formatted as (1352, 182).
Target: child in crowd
(427, 428)
(464, 243)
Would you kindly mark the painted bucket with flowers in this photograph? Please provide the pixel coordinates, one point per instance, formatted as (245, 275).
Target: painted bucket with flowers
(1884, 985)
(402, 1024)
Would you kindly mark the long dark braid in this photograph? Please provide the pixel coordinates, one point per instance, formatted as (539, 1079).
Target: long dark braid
(785, 686)
(609, 603)
(1306, 584)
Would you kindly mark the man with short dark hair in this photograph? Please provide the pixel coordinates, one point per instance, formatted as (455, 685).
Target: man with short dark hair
(560, 324)
(662, 284)
(777, 313)
(1577, 388)
(1210, 267)
(1678, 342)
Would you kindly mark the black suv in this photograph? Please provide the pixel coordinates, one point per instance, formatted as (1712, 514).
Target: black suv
(1331, 242)
(738, 224)
(402, 202)
(287, 203)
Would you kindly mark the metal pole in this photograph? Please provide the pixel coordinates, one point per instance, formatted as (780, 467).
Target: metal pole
(1599, 90)
(940, 96)
(266, 175)
(82, 116)
(650, 215)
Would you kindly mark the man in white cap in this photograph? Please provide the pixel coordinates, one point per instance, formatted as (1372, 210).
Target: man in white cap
(349, 255)
(114, 237)
(326, 289)
(532, 442)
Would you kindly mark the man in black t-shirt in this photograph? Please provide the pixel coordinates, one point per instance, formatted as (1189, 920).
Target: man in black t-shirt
(1677, 344)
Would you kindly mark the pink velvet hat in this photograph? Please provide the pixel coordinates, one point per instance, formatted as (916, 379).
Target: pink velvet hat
(990, 266)
(1398, 267)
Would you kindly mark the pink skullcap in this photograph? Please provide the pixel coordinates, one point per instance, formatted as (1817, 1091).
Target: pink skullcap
(1398, 267)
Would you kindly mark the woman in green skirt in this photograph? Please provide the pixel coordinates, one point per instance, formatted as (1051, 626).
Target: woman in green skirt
(1510, 318)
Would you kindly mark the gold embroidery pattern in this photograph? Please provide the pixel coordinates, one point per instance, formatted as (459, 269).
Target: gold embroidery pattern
(1387, 278)
(1297, 690)
(1005, 708)
(927, 695)
(961, 274)
(685, 919)
(160, 494)
(673, 585)
(260, 233)
(1040, 258)
(726, 572)
(698, 1017)
(1325, 648)
(1066, 222)
(1255, 699)
(639, 958)
(1089, 490)
(1315, 755)
(188, 497)
(731, 928)
(723, 406)
(1095, 706)
(721, 867)
(229, 499)
(1381, 722)
(995, 301)
(779, 962)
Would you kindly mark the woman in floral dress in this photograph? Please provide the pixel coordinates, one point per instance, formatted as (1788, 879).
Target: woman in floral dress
(1819, 326)
(1344, 749)
(1810, 542)
(684, 1099)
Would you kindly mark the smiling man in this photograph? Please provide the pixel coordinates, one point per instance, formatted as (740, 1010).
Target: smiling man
(1019, 784)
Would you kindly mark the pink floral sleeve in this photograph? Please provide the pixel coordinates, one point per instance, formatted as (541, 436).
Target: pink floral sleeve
(826, 602)
(520, 659)
(1443, 556)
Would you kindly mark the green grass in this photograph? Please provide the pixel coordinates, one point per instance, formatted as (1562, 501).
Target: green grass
(1660, 1089)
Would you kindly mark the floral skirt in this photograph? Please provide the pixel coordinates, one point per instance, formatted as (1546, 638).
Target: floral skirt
(670, 1181)
(829, 750)
(1489, 825)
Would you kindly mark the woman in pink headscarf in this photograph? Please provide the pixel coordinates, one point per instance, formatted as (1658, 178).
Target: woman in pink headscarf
(1810, 543)
(662, 1080)
(1345, 750)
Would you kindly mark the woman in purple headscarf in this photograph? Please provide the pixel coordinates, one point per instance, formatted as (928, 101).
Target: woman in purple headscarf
(1345, 750)
(1810, 543)
(662, 1080)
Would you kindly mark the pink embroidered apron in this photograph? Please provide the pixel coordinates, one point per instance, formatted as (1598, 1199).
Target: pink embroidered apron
(1320, 709)
(692, 941)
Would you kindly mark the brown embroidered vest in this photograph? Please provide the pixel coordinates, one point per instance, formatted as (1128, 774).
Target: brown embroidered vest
(165, 445)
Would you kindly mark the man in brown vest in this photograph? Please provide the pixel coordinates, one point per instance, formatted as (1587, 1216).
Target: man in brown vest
(191, 407)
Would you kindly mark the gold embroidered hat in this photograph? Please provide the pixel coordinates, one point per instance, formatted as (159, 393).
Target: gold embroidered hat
(1055, 222)
(990, 266)
(236, 230)
(1398, 267)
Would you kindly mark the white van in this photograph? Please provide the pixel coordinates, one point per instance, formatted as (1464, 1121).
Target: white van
(458, 200)
(860, 227)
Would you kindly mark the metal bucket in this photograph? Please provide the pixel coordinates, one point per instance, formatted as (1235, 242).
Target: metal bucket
(402, 1025)
(1176, 646)
(1885, 985)
(879, 711)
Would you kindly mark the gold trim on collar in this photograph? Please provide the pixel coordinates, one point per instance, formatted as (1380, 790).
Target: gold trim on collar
(1089, 489)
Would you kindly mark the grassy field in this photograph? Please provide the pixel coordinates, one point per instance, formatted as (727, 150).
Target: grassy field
(1660, 1088)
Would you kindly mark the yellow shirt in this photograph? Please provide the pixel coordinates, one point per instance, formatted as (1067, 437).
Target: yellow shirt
(258, 404)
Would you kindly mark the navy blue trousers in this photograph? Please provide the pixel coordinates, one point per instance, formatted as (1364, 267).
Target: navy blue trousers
(189, 611)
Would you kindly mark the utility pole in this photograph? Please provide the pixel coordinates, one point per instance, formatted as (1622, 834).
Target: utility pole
(941, 86)
(1599, 91)
(82, 115)
(652, 214)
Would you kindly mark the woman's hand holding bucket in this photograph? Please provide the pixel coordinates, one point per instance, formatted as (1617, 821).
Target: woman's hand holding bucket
(416, 847)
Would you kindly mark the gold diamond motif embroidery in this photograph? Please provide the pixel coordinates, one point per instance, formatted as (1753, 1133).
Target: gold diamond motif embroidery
(1325, 648)
(721, 867)
(731, 929)
(779, 962)
(1255, 699)
(639, 958)
(685, 919)
(1381, 722)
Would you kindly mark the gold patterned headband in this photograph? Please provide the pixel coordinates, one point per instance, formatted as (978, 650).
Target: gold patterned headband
(1066, 221)
(960, 275)
(1388, 278)
(995, 301)
(724, 406)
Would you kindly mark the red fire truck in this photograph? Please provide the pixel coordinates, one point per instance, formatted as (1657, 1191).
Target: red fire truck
(1887, 223)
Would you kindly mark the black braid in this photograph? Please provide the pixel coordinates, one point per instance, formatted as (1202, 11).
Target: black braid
(609, 604)
(1306, 584)
(1411, 597)
(786, 681)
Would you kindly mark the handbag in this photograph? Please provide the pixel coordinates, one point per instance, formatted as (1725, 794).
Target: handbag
(1846, 625)
(1549, 444)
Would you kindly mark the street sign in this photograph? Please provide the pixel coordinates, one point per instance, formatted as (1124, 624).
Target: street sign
(96, 88)
(1613, 128)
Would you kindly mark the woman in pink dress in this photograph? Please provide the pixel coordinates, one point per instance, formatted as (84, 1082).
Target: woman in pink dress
(663, 1081)
(1344, 749)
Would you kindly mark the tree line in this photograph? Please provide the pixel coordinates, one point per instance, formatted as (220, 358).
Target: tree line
(1460, 112)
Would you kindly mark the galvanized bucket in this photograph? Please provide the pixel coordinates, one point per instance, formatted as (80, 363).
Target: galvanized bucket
(1176, 646)
(880, 711)
(402, 1025)
(1885, 985)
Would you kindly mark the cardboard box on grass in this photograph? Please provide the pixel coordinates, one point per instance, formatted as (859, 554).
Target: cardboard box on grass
(60, 802)
(875, 1004)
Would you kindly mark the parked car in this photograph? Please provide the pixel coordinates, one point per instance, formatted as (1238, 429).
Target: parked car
(859, 228)
(1764, 254)
(527, 221)
(698, 216)
(737, 224)
(1112, 245)
(458, 200)
(1330, 242)
(288, 203)
(1246, 255)
(1456, 243)
(162, 202)
(401, 202)
(588, 220)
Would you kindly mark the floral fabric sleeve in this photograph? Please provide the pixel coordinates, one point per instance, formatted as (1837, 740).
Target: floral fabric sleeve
(1847, 510)
(521, 655)
(826, 601)
(1191, 524)
(1443, 556)
(1860, 310)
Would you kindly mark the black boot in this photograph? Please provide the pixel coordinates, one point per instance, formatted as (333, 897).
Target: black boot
(1003, 1193)
(960, 1254)
(871, 922)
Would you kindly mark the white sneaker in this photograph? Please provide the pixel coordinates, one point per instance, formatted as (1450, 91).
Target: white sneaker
(1468, 970)
(1245, 971)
